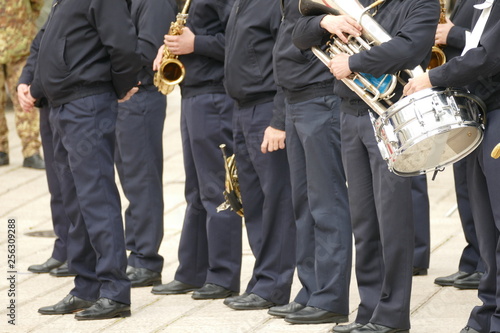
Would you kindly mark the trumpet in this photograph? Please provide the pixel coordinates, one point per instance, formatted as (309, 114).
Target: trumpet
(172, 71)
(231, 192)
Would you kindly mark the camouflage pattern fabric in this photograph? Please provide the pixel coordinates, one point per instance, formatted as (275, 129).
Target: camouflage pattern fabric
(17, 30)
(27, 123)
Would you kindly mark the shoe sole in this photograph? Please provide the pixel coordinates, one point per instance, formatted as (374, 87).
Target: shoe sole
(334, 320)
(234, 306)
(146, 284)
(464, 286)
(179, 292)
(60, 312)
(221, 296)
(116, 315)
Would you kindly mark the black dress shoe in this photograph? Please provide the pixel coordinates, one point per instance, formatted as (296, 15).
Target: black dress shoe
(468, 282)
(34, 162)
(46, 267)
(419, 271)
(450, 279)
(347, 328)
(251, 302)
(313, 315)
(283, 310)
(130, 269)
(376, 328)
(234, 298)
(61, 271)
(212, 291)
(172, 288)
(104, 308)
(468, 329)
(69, 304)
(4, 158)
(143, 277)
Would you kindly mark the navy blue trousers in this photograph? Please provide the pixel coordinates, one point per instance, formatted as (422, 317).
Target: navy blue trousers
(210, 244)
(139, 162)
(382, 221)
(60, 221)
(470, 260)
(421, 219)
(484, 194)
(321, 207)
(266, 195)
(84, 143)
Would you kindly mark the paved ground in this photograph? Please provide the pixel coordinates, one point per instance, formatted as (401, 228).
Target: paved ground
(24, 197)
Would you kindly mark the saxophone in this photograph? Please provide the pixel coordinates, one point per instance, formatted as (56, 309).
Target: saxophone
(438, 57)
(232, 187)
(172, 71)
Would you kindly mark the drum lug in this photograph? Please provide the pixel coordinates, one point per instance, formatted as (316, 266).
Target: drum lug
(417, 113)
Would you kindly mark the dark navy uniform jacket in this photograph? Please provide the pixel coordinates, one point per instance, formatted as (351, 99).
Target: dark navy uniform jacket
(462, 19)
(205, 66)
(92, 50)
(479, 68)
(412, 25)
(299, 72)
(248, 73)
(151, 25)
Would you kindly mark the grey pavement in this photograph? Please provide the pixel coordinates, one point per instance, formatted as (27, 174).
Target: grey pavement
(24, 197)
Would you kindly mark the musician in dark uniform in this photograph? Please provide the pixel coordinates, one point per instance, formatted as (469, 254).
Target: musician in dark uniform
(478, 70)
(470, 267)
(210, 246)
(421, 221)
(259, 142)
(380, 201)
(139, 148)
(319, 192)
(56, 264)
(86, 63)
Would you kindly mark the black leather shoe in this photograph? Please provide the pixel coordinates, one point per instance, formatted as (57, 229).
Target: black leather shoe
(69, 304)
(212, 291)
(4, 158)
(234, 298)
(347, 328)
(283, 310)
(130, 269)
(104, 308)
(468, 282)
(172, 288)
(143, 277)
(34, 162)
(450, 279)
(313, 315)
(419, 271)
(251, 302)
(376, 328)
(46, 267)
(61, 271)
(468, 329)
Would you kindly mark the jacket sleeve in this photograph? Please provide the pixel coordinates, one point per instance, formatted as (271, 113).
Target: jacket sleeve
(407, 49)
(476, 64)
(28, 73)
(308, 32)
(278, 120)
(117, 33)
(154, 18)
(213, 46)
(456, 37)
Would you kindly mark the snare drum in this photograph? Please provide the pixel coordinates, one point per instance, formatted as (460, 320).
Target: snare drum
(429, 130)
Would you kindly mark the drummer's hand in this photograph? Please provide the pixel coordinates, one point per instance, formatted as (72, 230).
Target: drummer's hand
(339, 66)
(341, 25)
(416, 84)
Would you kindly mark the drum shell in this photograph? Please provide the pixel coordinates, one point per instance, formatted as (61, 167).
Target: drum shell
(429, 130)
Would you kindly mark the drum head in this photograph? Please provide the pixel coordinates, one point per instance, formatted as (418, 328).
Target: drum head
(436, 150)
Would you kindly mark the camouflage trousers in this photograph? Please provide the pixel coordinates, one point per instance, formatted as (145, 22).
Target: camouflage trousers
(27, 123)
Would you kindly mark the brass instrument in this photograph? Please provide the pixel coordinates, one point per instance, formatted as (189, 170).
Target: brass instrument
(438, 57)
(172, 71)
(232, 187)
(376, 92)
(496, 151)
